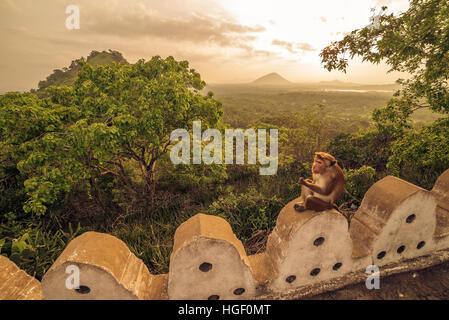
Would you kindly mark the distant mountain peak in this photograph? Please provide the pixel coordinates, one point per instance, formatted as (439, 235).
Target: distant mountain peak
(66, 76)
(271, 79)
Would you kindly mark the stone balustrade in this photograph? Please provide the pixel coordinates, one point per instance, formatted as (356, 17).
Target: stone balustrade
(396, 223)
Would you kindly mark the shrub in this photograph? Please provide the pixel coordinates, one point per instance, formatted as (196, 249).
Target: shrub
(358, 181)
(30, 247)
(247, 212)
(422, 155)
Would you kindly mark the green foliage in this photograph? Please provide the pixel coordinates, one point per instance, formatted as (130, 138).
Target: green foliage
(415, 42)
(422, 155)
(30, 247)
(116, 120)
(247, 212)
(301, 134)
(368, 147)
(67, 76)
(24, 119)
(149, 233)
(349, 110)
(101, 144)
(358, 181)
(149, 240)
(203, 182)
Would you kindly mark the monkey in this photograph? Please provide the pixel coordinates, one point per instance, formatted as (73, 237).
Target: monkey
(325, 189)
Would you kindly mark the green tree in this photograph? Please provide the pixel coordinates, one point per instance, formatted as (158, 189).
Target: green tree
(358, 181)
(301, 134)
(115, 120)
(422, 155)
(415, 42)
(24, 119)
(369, 147)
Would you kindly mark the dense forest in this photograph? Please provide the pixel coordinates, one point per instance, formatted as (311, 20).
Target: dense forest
(89, 149)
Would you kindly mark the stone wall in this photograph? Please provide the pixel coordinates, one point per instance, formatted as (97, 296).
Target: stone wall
(397, 227)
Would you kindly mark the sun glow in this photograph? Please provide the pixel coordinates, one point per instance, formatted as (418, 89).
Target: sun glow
(227, 41)
(316, 23)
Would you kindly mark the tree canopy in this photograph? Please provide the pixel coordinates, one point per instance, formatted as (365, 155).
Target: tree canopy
(115, 120)
(415, 42)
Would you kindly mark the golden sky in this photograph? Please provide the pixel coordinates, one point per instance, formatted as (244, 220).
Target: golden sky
(227, 41)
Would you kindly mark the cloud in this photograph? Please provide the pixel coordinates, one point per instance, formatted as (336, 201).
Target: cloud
(292, 47)
(220, 38)
(196, 28)
(284, 44)
(383, 2)
(263, 53)
(256, 54)
(303, 46)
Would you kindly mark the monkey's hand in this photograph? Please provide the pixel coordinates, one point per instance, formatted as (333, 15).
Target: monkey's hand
(302, 181)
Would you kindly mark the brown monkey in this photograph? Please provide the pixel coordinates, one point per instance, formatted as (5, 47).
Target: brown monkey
(327, 186)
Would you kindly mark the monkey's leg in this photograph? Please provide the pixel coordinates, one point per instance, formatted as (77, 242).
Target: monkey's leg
(316, 204)
(305, 192)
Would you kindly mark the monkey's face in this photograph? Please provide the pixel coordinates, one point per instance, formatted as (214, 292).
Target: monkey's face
(319, 166)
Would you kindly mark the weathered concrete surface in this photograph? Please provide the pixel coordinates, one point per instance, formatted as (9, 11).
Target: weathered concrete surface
(108, 270)
(396, 221)
(306, 254)
(441, 193)
(209, 262)
(16, 284)
(308, 247)
(419, 263)
(158, 287)
(441, 187)
(431, 283)
(262, 267)
(263, 272)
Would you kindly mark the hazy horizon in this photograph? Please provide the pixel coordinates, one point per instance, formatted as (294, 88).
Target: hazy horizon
(227, 41)
(292, 83)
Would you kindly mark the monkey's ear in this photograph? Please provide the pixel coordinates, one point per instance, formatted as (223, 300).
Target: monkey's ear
(333, 163)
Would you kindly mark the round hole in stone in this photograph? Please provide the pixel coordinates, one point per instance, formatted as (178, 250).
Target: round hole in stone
(381, 255)
(205, 266)
(290, 279)
(213, 297)
(420, 245)
(83, 290)
(337, 266)
(401, 249)
(318, 241)
(239, 291)
(315, 272)
(410, 218)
